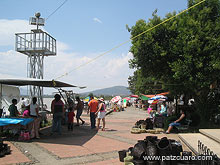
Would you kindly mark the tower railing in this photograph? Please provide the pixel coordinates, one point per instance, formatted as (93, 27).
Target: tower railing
(37, 41)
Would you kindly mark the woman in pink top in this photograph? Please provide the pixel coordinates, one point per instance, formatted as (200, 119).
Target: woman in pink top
(101, 113)
(26, 113)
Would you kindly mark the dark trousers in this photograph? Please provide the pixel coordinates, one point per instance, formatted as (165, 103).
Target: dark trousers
(92, 119)
(57, 118)
(70, 126)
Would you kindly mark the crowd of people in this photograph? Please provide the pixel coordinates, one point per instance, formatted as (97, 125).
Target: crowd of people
(32, 111)
(96, 110)
(60, 111)
(164, 109)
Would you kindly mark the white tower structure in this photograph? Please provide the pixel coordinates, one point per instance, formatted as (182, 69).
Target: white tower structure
(36, 45)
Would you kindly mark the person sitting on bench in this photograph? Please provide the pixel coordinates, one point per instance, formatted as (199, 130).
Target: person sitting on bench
(178, 122)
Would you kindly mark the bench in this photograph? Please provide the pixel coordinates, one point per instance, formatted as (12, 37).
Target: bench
(184, 127)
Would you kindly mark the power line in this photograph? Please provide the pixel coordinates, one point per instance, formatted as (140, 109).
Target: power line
(65, 74)
(56, 9)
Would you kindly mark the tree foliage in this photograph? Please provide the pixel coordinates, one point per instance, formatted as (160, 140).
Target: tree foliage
(183, 54)
(140, 84)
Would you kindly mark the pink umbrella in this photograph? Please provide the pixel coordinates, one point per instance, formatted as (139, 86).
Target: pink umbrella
(127, 98)
(116, 99)
(135, 96)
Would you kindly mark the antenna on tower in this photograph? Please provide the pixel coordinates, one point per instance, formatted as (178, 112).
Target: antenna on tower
(37, 20)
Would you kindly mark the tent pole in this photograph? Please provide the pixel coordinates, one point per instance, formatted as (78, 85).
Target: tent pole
(1, 97)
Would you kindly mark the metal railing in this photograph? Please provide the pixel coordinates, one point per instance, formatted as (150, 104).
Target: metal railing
(29, 42)
(205, 151)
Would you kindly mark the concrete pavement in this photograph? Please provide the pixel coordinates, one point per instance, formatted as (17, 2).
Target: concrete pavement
(82, 145)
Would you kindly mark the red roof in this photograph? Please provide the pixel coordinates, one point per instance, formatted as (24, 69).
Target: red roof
(165, 93)
(149, 96)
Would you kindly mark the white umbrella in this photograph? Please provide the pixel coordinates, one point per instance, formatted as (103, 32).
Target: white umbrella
(157, 97)
(116, 99)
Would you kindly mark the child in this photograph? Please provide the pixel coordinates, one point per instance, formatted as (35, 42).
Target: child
(26, 112)
(71, 115)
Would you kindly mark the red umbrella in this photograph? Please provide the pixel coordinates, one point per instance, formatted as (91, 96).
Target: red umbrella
(127, 98)
(136, 96)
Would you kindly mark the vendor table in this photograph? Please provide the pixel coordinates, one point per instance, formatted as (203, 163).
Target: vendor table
(9, 121)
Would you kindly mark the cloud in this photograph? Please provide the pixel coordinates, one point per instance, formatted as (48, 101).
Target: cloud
(7, 76)
(116, 65)
(62, 46)
(8, 28)
(13, 63)
(101, 73)
(97, 20)
(106, 71)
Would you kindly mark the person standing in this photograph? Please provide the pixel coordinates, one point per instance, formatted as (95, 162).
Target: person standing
(57, 109)
(24, 104)
(93, 107)
(101, 113)
(13, 109)
(79, 108)
(34, 109)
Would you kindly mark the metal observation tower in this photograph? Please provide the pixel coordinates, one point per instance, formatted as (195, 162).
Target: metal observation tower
(36, 45)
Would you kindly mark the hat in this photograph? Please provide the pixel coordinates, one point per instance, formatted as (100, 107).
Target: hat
(101, 99)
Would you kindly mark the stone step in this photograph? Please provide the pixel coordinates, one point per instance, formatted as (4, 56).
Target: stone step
(214, 134)
(191, 141)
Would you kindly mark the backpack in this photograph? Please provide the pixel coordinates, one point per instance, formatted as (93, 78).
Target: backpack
(159, 122)
(149, 123)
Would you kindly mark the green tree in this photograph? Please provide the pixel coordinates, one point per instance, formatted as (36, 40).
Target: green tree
(91, 95)
(139, 84)
(182, 54)
(102, 96)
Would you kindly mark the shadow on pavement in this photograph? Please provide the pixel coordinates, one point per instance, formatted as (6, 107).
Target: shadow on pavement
(79, 136)
(110, 130)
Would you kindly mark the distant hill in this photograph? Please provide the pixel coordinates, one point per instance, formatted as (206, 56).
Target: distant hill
(112, 91)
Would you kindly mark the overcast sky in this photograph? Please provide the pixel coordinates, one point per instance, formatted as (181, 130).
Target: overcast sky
(83, 29)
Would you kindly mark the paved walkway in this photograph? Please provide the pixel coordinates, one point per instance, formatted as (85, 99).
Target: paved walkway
(82, 145)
